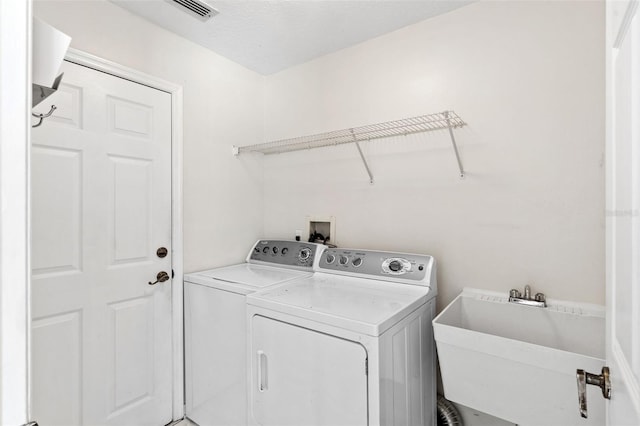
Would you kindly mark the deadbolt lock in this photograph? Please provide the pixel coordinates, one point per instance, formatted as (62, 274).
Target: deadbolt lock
(162, 252)
(160, 278)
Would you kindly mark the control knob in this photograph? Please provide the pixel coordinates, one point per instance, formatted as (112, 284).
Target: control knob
(284, 251)
(304, 254)
(395, 265)
(265, 250)
(330, 258)
(343, 260)
(357, 262)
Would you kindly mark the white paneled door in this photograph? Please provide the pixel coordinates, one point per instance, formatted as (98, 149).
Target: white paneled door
(623, 211)
(101, 208)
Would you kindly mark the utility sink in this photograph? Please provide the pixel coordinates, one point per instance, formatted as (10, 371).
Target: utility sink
(519, 362)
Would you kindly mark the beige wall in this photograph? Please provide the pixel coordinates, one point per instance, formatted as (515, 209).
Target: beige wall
(528, 77)
(222, 107)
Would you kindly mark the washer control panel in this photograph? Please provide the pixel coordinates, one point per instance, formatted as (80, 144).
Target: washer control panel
(378, 264)
(282, 252)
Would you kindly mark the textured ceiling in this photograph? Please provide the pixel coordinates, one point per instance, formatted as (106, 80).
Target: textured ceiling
(269, 36)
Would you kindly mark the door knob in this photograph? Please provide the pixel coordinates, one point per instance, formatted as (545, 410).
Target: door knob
(601, 380)
(160, 278)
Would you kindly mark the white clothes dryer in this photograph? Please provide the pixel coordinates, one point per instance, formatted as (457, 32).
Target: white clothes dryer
(351, 345)
(215, 326)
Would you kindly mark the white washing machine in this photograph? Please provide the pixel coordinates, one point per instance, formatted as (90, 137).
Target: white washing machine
(351, 345)
(215, 326)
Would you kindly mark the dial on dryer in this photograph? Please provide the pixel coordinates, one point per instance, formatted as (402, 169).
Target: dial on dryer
(304, 254)
(396, 266)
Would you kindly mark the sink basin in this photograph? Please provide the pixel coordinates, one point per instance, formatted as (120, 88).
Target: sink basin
(519, 362)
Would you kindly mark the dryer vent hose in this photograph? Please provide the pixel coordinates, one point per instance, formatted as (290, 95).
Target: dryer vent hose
(448, 414)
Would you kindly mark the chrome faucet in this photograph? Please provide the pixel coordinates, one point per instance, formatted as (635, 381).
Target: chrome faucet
(538, 300)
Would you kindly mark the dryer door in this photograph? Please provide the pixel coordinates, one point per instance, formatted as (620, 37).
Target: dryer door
(303, 377)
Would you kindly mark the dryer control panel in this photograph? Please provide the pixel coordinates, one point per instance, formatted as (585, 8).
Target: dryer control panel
(285, 253)
(402, 267)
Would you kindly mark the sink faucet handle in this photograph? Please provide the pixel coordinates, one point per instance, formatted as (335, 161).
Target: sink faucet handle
(540, 297)
(514, 293)
(527, 292)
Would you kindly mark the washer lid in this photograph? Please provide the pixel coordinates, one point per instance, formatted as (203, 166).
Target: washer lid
(357, 304)
(245, 274)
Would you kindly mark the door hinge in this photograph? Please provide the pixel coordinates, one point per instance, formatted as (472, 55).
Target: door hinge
(31, 424)
(173, 274)
(366, 366)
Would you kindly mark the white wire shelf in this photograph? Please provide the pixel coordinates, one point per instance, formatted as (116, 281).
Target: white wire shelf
(424, 123)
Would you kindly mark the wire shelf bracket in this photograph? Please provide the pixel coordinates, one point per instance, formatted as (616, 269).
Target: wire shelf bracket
(425, 123)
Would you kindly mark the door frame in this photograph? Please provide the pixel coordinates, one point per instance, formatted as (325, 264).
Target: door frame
(623, 382)
(15, 131)
(102, 65)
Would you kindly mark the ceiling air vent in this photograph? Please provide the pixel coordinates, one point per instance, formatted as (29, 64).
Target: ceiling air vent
(196, 8)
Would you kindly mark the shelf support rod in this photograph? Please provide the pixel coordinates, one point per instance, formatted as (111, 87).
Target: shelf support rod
(455, 146)
(364, 160)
